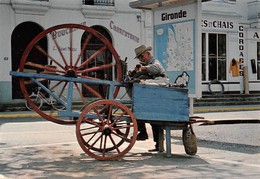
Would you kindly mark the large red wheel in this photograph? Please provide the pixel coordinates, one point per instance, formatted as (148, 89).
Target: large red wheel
(71, 53)
(106, 130)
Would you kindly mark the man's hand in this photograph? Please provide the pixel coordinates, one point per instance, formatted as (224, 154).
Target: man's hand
(143, 68)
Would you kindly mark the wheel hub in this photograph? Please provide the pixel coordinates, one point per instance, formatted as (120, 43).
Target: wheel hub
(107, 131)
(71, 73)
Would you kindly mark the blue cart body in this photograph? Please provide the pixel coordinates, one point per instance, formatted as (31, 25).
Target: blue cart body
(165, 106)
(159, 103)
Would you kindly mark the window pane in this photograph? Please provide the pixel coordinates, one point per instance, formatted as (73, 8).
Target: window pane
(221, 56)
(212, 56)
(203, 44)
(212, 45)
(203, 61)
(222, 69)
(212, 68)
(221, 45)
(203, 69)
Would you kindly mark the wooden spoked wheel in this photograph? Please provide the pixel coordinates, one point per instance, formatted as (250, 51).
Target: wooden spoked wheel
(70, 53)
(106, 130)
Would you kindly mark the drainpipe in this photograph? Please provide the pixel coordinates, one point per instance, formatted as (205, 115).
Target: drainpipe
(245, 80)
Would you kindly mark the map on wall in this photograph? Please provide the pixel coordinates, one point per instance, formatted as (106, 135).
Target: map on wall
(174, 48)
(174, 44)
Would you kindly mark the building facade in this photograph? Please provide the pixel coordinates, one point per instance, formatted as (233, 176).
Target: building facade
(230, 36)
(230, 44)
(22, 20)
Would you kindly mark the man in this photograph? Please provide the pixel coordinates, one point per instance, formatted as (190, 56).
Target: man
(151, 71)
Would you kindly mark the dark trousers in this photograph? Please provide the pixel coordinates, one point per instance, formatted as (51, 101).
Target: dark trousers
(141, 127)
(155, 129)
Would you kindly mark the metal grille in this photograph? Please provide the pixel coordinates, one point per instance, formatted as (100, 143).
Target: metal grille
(99, 2)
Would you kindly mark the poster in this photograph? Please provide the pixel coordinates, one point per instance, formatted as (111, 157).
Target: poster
(175, 43)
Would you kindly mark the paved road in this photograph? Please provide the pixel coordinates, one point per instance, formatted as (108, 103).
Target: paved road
(35, 148)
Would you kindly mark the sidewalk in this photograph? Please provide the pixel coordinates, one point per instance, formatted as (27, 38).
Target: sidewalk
(197, 110)
(18, 114)
(226, 108)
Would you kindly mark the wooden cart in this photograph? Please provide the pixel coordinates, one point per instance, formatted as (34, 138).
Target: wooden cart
(106, 127)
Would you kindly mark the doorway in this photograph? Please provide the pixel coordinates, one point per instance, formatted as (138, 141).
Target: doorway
(22, 35)
(103, 58)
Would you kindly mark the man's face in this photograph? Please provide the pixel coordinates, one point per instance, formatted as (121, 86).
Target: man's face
(144, 58)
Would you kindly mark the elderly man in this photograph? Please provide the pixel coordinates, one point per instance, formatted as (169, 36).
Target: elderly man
(150, 71)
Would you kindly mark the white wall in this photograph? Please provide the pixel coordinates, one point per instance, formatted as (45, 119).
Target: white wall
(7, 22)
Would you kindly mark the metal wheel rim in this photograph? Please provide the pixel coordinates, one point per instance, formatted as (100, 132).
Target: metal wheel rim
(29, 48)
(94, 135)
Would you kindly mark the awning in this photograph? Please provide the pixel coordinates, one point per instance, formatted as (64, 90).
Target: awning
(152, 4)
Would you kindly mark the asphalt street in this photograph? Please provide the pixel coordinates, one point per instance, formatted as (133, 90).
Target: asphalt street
(32, 147)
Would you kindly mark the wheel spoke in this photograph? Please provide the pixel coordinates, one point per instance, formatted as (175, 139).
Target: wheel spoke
(122, 127)
(112, 140)
(90, 121)
(89, 77)
(42, 67)
(47, 55)
(91, 90)
(71, 47)
(89, 133)
(97, 68)
(63, 88)
(104, 147)
(109, 114)
(83, 49)
(99, 116)
(80, 93)
(119, 117)
(29, 82)
(88, 128)
(91, 58)
(59, 49)
(123, 137)
(56, 85)
(99, 138)
(93, 132)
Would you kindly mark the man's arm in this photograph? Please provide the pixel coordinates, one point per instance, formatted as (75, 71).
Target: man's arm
(154, 69)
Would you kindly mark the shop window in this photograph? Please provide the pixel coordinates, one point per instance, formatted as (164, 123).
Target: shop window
(258, 60)
(214, 57)
(221, 57)
(203, 62)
